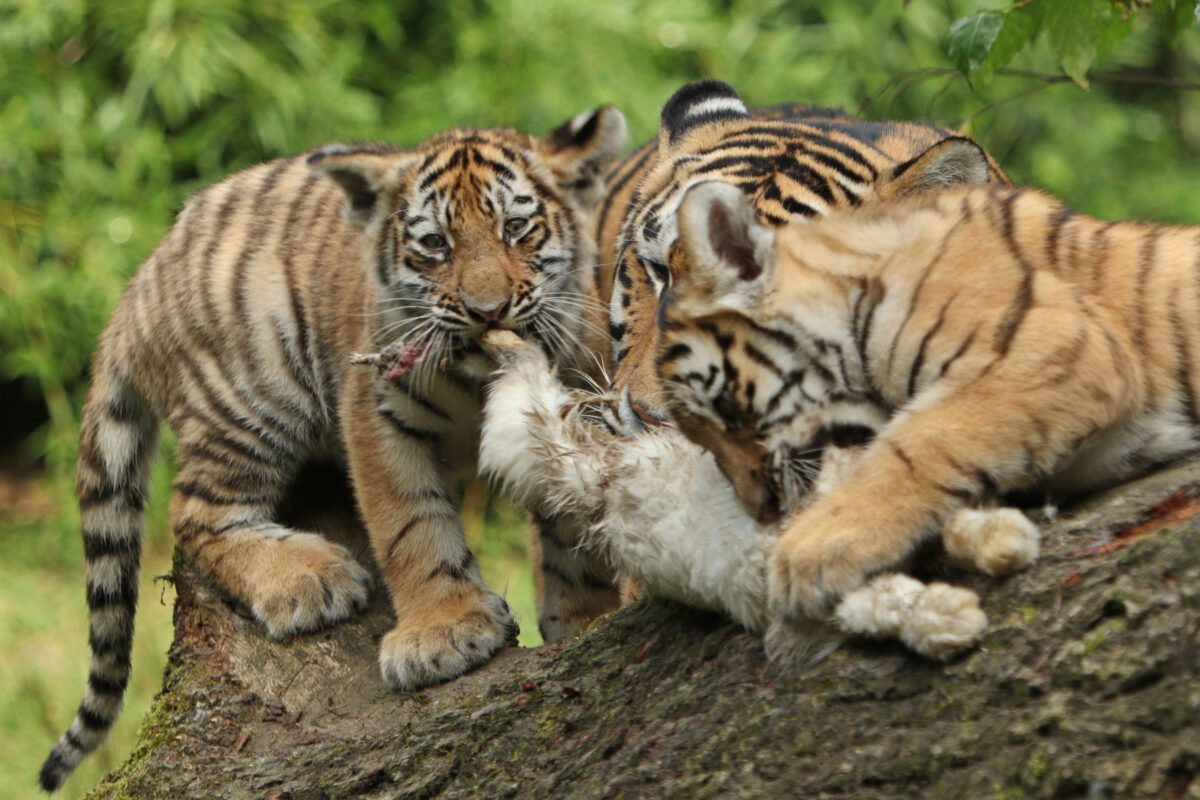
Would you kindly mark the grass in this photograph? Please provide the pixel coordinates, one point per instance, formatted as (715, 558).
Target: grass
(43, 618)
(497, 534)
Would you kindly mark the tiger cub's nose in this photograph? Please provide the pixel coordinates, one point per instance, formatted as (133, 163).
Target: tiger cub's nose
(483, 311)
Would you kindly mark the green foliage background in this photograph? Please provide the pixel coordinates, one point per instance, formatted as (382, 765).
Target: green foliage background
(113, 112)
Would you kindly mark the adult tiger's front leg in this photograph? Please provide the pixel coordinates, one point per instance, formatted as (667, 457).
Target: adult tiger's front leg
(447, 619)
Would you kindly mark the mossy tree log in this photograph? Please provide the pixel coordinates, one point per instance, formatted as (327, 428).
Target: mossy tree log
(1087, 685)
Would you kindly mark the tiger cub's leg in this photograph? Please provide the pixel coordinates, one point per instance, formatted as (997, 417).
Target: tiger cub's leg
(937, 620)
(994, 541)
(574, 585)
(447, 620)
(927, 464)
(222, 514)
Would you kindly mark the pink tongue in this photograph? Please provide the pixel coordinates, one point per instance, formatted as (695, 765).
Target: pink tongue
(407, 356)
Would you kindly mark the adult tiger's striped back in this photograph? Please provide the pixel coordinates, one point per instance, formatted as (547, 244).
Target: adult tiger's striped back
(238, 330)
(792, 161)
(995, 339)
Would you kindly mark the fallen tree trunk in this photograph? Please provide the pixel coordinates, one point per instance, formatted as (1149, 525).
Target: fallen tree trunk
(1087, 685)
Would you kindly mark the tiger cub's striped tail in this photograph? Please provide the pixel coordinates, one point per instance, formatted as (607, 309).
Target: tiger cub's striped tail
(117, 441)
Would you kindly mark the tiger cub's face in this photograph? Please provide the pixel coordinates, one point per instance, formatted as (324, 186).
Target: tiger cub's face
(758, 360)
(789, 170)
(474, 229)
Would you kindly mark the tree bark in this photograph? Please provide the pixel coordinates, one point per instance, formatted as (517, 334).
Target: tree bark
(1087, 685)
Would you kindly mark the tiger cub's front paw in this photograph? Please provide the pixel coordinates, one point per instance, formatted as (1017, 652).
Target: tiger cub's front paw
(938, 621)
(993, 541)
(809, 575)
(561, 626)
(554, 629)
(304, 582)
(945, 621)
(412, 656)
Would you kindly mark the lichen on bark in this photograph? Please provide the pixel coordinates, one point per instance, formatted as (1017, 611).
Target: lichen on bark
(1087, 684)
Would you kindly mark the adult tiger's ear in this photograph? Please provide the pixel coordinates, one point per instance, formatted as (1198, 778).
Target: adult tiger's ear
(730, 254)
(577, 151)
(956, 161)
(367, 173)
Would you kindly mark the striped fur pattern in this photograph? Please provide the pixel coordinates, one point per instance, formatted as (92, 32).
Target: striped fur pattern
(793, 162)
(996, 340)
(238, 331)
(661, 512)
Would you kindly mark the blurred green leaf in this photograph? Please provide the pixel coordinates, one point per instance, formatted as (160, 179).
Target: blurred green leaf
(971, 39)
(1021, 26)
(1081, 31)
(1175, 16)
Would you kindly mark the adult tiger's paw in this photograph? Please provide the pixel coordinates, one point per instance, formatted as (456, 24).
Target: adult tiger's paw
(304, 582)
(431, 652)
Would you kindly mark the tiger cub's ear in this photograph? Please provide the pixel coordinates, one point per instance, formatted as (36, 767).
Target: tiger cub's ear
(694, 105)
(365, 171)
(730, 254)
(956, 161)
(577, 151)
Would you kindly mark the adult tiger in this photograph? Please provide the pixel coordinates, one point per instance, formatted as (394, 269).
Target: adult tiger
(792, 161)
(238, 329)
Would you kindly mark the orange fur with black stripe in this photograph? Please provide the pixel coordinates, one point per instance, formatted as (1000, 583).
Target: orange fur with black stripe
(791, 161)
(238, 331)
(990, 339)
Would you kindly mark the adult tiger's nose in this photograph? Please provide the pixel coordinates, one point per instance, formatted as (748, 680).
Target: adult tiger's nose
(484, 311)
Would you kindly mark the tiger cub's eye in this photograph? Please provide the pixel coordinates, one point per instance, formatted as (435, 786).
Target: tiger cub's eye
(433, 241)
(515, 225)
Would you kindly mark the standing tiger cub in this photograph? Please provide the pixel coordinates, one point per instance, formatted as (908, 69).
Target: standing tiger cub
(238, 330)
(1006, 340)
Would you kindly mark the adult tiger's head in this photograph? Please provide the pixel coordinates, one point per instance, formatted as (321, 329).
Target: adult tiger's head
(791, 162)
(761, 357)
(479, 228)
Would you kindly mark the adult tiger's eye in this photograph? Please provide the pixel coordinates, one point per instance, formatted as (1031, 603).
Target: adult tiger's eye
(433, 241)
(515, 225)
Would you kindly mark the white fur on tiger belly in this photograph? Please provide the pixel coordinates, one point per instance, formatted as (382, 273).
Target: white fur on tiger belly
(663, 513)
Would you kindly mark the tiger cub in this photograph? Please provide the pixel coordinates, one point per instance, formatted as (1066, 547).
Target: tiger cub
(238, 330)
(791, 161)
(1008, 342)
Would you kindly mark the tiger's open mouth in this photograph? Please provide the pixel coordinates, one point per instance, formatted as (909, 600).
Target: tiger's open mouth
(409, 353)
